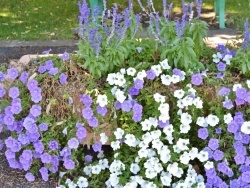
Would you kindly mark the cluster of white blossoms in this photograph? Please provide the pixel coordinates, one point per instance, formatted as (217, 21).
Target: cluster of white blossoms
(211, 120)
(218, 57)
(115, 168)
(116, 79)
(81, 183)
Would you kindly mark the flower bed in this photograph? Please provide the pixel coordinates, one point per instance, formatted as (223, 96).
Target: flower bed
(168, 120)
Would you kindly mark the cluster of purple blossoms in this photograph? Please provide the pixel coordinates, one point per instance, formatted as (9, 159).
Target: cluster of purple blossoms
(35, 90)
(196, 79)
(81, 132)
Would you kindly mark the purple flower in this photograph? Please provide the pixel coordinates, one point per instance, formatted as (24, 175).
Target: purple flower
(196, 79)
(246, 35)
(36, 110)
(162, 124)
(53, 71)
(87, 113)
(224, 91)
(2, 76)
(23, 139)
(126, 105)
(221, 66)
(151, 74)
(218, 130)
(239, 159)
(53, 145)
(213, 143)
(88, 158)
(42, 69)
(63, 78)
(46, 158)
(24, 77)
(32, 84)
(86, 100)
(65, 56)
(241, 93)
(218, 155)
(101, 110)
(232, 127)
(65, 153)
(12, 73)
(221, 47)
(239, 101)
(133, 91)
(43, 127)
(97, 146)
(73, 143)
(39, 147)
(137, 117)
(220, 75)
(27, 154)
(28, 123)
(14, 92)
(203, 133)
(93, 122)
(8, 119)
(36, 99)
(49, 64)
(245, 139)
(245, 176)
(137, 109)
(138, 83)
(2, 91)
(117, 105)
(69, 164)
(228, 104)
(44, 173)
(16, 146)
(46, 51)
(10, 154)
(36, 91)
(81, 133)
(222, 167)
(30, 177)
(16, 108)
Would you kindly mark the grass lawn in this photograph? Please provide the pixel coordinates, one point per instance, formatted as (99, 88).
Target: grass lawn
(56, 19)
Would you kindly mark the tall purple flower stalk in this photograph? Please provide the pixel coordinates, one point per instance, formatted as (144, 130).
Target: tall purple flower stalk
(198, 7)
(95, 40)
(83, 17)
(115, 8)
(138, 22)
(246, 36)
(180, 26)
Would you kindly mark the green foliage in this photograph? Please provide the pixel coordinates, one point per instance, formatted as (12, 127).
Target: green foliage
(242, 61)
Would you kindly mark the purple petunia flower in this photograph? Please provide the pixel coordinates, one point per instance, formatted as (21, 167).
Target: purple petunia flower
(239, 101)
(239, 159)
(232, 127)
(162, 124)
(43, 127)
(151, 74)
(27, 154)
(137, 117)
(32, 84)
(42, 69)
(133, 91)
(23, 139)
(81, 133)
(117, 105)
(87, 113)
(12, 73)
(2, 91)
(213, 143)
(14, 92)
(93, 122)
(8, 119)
(39, 147)
(97, 146)
(36, 110)
(30, 177)
(241, 93)
(69, 164)
(126, 105)
(73, 143)
(65, 56)
(2, 76)
(196, 79)
(218, 130)
(203, 133)
(24, 77)
(138, 83)
(220, 75)
(36, 98)
(53, 71)
(46, 158)
(16, 108)
(49, 64)
(101, 110)
(9, 154)
(137, 109)
(53, 145)
(245, 176)
(218, 155)
(224, 91)
(221, 47)
(221, 66)
(63, 78)
(44, 173)
(86, 100)
(88, 158)
(228, 104)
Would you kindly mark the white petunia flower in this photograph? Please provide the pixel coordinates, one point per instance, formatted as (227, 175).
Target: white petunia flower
(209, 164)
(111, 78)
(164, 117)
(184, 128)
(217, 57)
(123, 71)
(201, 121)
(157, 144)
(166, 179)
(96, 169)
(186, 119)
(164, 64)
(155, 134)
(134, 168)
(185, 158)
(100, 155)
(153, 122)
(103, 163)
(245, 127)
(228, 118)
(120, 80)
(141, 75)
(168, 130)
(164, 108)
(103, 138)
(143, 153)
(115, 145)
(82, 182)
(147, 138)
(156, 69)
(113, 179)
(159, 98)
(120, 96)
(175, 79)
(198, 103)
(102, 100)
(212, 120)
(201, 185)
(193, 153)
(187, 101)
(150, 173)
(236, 86)
(182, 144)
(179, 93)
(130, 140)
(166, 79)
(131, 71)
(119, 133)
(146, 125)
(227, 59)
(203, 156)
(87, 170)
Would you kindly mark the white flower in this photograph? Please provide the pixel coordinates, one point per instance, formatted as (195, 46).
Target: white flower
(193, 153)
(169, 138)
(228, 118)
(102, 100)
(184, 128)
(173, 168)
(150, 185)
(180, 104)
(164, 64)
(165, 156)
(119, 133)
(155, 134)
(96, 169)
(227, 59)
(153, 122)
(116, 166)
(203, 156)
(103, 138)
(123, 71)
(103, 163)
(114, 89)
(146, 125)
(212, 120)
(156, 69)
(100, 155)
(143, 153)
(114, 180)
(201, 185)
(157, 144)
(131, 71)
(198, 102)
(163, 108)
(187, 101)
(147, 138)
(217, 57)
(164, 117)
(65, 132)
(120, 80)
(185, 158)
(199, 178)
(175, 78)
(236, 86)
(166, 179)
(159, 98)
(111, 78)
(248, 83)
(176, 149)
(142, 74)
(182, 144)
(82, 182)
(120, 96)
(150, 173)
(186, 119)
(151, 153)
(208, 165)
(201, 121)
(87, 170)
(245, 127)
(168, 130)
(134, 168)
(115, 145)
(130, 140)
(179, 93)
(166, 79)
